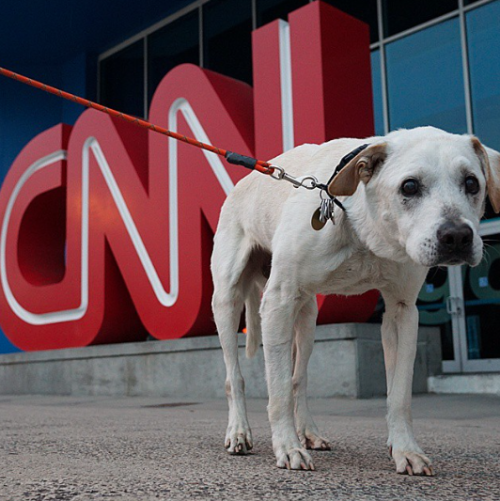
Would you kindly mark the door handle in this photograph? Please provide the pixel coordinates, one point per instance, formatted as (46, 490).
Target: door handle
(453, 305)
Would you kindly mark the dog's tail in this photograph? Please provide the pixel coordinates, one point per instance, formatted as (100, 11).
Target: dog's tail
(252, 318)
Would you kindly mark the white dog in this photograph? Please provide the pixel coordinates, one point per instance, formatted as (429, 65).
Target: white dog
(414, 199)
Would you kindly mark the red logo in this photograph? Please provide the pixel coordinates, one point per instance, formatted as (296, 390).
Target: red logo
(106, 230)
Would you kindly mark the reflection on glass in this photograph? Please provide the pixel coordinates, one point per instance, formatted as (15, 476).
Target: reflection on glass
(227, 26)
(122, 80)
(377, 93)
(431, 306)
(176, 43)
(482, 303)
(483, 38)
(425, 81)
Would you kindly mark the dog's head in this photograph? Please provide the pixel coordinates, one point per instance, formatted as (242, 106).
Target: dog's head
(424, 194)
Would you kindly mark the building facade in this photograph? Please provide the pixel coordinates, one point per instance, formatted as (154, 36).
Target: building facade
(432, 63)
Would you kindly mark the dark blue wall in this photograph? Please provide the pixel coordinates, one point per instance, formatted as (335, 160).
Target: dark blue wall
(57, 42)
(25, 112)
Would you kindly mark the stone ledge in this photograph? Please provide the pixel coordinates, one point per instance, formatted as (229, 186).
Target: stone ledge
(348, 362)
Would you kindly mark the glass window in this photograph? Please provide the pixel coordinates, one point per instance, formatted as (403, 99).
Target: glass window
(122, 80)
(365, 11)
(483, 37)
(174, 44)
(425, 79)
(377, 94)
(269, 10)
(482, 302)
(402, 15)
(227, 38)
(432, 311)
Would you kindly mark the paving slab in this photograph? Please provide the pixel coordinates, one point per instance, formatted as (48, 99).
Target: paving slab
(93, 448)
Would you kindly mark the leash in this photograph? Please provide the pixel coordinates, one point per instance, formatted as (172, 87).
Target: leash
(231, 157)
(309, 182)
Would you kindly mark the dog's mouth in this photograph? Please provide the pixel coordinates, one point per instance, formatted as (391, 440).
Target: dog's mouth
(438, 257)
(456, 259)
(452, 262)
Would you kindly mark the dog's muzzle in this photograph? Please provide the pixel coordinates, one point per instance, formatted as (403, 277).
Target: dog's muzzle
(454, 243)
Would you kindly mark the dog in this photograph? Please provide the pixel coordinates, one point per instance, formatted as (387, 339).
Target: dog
(413, 199)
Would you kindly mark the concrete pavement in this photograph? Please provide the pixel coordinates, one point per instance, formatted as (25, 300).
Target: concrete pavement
(92, 448)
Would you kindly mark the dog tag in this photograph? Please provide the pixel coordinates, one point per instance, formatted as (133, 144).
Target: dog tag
(323, 214)
(316, 222)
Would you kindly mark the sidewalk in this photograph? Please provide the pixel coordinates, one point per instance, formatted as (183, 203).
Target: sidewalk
(70, 448)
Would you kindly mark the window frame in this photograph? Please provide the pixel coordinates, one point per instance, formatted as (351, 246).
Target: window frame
(379, 45)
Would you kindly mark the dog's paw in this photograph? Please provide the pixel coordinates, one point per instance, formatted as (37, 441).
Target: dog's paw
(314, 442)
(296, 458)
(412, 463)
(239, 443)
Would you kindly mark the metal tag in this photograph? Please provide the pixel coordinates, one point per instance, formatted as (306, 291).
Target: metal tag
(323, 214)
(316, 223)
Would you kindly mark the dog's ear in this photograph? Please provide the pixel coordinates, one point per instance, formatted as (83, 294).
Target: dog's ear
(360, 168)
(490, 161)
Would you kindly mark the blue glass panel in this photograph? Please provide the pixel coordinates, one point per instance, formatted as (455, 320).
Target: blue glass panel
(269, 10)
(425, 79)
(377, 94)
(122, 80)
(227, 27)
(401, 15)
(176, 43)
(483, 35)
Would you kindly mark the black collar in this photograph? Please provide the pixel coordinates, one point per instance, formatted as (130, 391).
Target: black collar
(343, 162)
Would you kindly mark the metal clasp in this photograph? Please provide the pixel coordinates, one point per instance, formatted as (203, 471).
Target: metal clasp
(308, 182)
(277, 173)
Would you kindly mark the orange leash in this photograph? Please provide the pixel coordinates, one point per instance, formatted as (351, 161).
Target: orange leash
(234, 158)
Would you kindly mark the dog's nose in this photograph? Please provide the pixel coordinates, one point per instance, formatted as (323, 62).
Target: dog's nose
(454, 237)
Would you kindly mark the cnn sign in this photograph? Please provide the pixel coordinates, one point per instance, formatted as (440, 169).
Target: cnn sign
(106, 229)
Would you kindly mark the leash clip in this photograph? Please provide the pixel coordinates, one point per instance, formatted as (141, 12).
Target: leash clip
(308, 182)
(277, 172)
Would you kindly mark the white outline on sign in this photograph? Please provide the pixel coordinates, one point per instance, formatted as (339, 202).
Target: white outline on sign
(167, 299)
(286, 85)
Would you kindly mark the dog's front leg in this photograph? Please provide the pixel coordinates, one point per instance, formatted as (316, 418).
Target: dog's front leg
(278, 311)
(399, 338)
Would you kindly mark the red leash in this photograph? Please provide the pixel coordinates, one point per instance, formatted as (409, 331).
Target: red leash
(234, 158)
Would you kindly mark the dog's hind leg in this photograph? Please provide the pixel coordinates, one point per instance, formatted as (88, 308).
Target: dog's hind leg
(229, 259)
(305, 327)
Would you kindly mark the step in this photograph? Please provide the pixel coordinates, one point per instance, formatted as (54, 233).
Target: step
(488, 383)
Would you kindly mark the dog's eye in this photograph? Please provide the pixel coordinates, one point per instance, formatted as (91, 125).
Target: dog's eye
(410, 187)
(471, 185)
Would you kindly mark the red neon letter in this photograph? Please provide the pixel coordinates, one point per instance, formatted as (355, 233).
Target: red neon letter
(114, 242)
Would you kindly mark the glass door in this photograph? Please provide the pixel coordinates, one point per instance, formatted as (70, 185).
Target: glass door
(434, 302)
(480, 321)
(464, 303)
